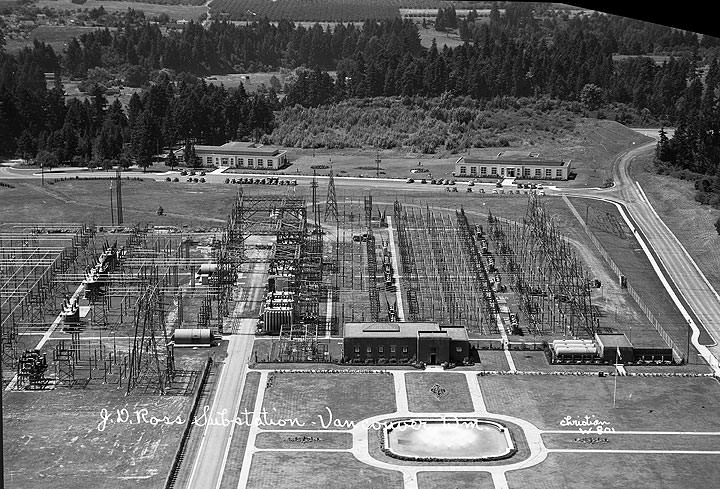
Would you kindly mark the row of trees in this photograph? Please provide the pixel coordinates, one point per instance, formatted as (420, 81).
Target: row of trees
(37, 122)
(694, 150)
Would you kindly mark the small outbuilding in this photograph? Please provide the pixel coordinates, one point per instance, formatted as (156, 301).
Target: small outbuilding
(615, 348)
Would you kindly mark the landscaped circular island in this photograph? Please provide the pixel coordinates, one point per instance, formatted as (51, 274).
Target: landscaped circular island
(446, 439)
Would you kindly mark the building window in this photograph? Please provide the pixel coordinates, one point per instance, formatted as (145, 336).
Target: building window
(381, 349)
(269, 163)
(241, 161)
(250, 162)
(493, 171)
(463, 170)
(526, 172)
(404, 349)
(392, 348)
(458, 349)
(548, 173)
(558, 173)
(224, 161)
(357, 349)
(538, 172)
(502, 171)
(260, 163)
(208, 160)
(483, 171)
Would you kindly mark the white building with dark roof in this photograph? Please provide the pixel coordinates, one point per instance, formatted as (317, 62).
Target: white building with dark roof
(513, 164)
(242, 155)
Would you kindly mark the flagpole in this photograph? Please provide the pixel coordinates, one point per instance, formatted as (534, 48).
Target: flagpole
(615, 389)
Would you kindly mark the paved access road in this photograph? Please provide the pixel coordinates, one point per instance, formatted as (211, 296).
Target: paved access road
(679, 266)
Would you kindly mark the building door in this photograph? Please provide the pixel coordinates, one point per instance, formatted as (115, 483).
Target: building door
(511, 172)
(433, 359)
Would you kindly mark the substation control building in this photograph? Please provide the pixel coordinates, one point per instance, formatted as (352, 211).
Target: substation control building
(242, 155)
(513, 164)
(405, 342)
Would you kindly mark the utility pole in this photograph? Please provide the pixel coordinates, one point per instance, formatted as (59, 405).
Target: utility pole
(112, 211)
(377, 163)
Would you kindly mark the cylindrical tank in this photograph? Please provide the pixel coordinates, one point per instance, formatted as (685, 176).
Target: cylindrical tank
(193, 337)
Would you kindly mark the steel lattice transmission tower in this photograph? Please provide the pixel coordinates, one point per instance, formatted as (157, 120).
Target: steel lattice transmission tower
(331, 205)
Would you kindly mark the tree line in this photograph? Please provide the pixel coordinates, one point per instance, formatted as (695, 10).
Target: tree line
(36, 122)
(517, 54)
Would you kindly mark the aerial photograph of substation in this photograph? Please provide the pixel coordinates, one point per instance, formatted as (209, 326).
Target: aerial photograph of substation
(372, 244)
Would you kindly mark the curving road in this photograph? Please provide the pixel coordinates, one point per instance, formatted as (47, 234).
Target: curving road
(679, 267)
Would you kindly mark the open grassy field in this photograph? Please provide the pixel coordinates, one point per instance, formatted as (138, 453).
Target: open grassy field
(186, 12)
(477, 480)
(56, 36)
(454, 396)
(300, 470)
(451, 39)
(89, 201)
(643, 403)
(603, 470)
(306, 397)
(55, 438)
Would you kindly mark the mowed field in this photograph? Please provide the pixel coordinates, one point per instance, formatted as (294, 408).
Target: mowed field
(55, 439)
(672, 406)
(186, 12)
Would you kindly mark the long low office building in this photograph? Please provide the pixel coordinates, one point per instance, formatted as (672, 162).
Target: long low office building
(405, 342)
(513, 164)
(242, 155)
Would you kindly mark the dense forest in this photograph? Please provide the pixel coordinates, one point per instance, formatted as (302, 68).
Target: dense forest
(521, 54)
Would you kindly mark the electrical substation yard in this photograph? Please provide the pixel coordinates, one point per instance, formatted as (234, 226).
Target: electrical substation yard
(89, 316)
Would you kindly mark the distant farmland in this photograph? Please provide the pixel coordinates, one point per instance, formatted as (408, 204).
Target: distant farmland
(327, 10)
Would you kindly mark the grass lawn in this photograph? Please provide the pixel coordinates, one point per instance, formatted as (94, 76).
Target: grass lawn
(231, 474)
(304, 470)
(433, 480)
(633, 442)
(53, 439)
(349, 396)
(89, 201)
(492, 360)
(602, 470)
(456, 397)
(282, 439)
(643, 403)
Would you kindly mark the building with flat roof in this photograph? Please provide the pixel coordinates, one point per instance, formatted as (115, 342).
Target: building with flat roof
(405, 342)
(237, 154)
(513, 164)
(615, 348)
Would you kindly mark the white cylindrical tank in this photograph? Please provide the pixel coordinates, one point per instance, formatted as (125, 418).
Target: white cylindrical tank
(193, 337)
